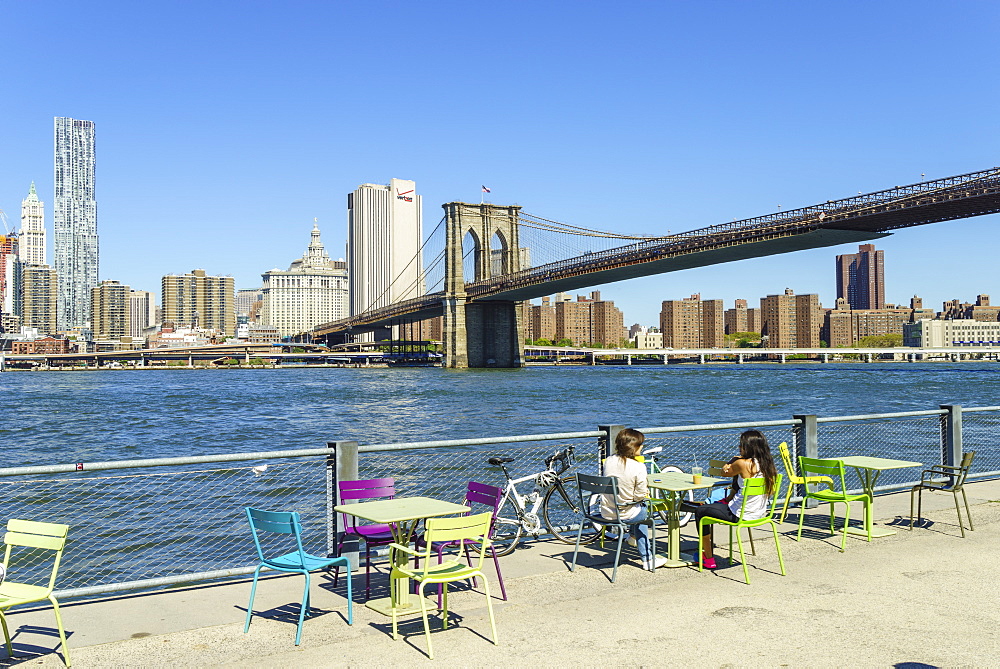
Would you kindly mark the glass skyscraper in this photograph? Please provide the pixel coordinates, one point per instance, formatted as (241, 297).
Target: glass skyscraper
(74, 220)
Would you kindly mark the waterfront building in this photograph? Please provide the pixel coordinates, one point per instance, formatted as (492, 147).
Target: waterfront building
(542, 323)
(982, 310)
(948, 333)
(843, 326)
(109, 310)
(10, 275)
(32, 229)
(74, 219)
(45, 345)
(10, 323)
(790, 320)
(589, 320)
(861, 278)
(313, 291)
(384, 236)
(648, 340)
(736, 318)
(197, 300)
(755, 321)
(142, 312)
(40, 293)
(692, 323)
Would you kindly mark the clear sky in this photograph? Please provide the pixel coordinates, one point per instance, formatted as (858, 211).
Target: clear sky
(224, 128)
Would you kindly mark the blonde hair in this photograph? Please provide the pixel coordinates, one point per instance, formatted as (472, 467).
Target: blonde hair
(628, 443)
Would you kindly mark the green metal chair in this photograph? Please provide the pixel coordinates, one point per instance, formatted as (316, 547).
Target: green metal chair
(954, 482)
(752, 487)
(464, 531)
(794, 479)
(834, 470)
(35, 536)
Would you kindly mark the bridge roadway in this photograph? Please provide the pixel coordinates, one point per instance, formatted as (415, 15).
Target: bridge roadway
(849, 220)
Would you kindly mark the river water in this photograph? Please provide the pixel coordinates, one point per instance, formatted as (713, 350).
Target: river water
(58, 417)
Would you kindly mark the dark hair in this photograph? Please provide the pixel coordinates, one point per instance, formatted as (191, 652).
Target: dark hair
(753, 446)
(628, 442)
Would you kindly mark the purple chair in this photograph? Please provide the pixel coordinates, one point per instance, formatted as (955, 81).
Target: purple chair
(373, 535)
(487, 496)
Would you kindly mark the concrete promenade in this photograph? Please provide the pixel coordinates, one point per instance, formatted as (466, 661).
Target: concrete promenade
(916, 599)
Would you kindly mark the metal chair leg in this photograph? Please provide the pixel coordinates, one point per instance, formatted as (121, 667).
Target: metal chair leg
(961, 525)
(968, 513)
(912, 492)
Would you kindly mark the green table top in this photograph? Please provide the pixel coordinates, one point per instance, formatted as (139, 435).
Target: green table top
(865, 462)
(678, 481)
(401, 509)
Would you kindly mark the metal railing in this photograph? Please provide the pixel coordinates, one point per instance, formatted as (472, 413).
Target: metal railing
(144, 524)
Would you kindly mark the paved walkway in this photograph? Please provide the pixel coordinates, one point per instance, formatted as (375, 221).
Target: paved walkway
(920, 598)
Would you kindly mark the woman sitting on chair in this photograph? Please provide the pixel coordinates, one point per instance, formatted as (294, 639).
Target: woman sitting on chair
(754, 461)
(632, 494)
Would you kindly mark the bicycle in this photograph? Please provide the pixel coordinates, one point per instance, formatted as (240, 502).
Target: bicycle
(560, 511)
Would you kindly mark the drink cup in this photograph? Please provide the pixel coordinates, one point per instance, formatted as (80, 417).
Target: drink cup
(696, 474)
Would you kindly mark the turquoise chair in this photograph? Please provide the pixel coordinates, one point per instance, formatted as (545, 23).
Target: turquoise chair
(834, 471)
(295, 562)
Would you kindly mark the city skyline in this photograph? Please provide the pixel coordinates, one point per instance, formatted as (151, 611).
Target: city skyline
(736, 116)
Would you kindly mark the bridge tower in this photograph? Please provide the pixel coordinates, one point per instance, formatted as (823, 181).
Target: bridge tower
(482, 333)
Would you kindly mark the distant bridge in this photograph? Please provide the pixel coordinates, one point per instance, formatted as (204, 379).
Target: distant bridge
(493, 332)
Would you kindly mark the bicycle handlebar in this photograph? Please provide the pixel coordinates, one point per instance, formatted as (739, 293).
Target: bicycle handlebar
(564, 457)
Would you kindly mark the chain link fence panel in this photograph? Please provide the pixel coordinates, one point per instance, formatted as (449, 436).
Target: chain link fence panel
(981, 433)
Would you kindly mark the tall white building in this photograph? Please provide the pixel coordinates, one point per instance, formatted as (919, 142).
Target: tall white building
(384, 235)
(142, 312)
(32, 229)
(74, 220)
(313, 291)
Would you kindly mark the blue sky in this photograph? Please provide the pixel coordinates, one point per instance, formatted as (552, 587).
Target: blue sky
(224, 128)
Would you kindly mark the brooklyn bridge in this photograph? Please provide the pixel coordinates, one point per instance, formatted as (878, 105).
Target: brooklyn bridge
(482, 324)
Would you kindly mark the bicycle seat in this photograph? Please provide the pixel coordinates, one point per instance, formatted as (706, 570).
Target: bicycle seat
(499, 461)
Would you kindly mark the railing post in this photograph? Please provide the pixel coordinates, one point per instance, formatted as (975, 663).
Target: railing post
(951, 435)
(606, 443)
(806, 436)
(341, 465)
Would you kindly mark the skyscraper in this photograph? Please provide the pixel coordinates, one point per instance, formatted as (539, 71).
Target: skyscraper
(313, 291)
(861, 278)
(74, 219)
(141, 312)
(110, 310)
(40, 290)
(384, 235)
(10, 275)
(32, 229)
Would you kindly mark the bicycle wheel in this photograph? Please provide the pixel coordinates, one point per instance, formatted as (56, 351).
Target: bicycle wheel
(561, 512)
(661, 513)
(507, 531)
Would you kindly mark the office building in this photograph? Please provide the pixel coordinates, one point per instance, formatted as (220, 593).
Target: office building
(40, 291)
(946, 333)
(32, 229)
(109, 310)
(313, 291)
(74, 220)
(692, 323)
(248, 303)
(384, 236)
(648, 340)
(861, 278)
(197, 300)
(142, 312)
(10, 275)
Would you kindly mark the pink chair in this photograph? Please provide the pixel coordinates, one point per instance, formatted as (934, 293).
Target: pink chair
(484, 495)
(373, 535)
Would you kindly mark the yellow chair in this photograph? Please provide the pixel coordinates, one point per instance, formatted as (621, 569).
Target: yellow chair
(38, 536)
(463, 531)
(794, 479)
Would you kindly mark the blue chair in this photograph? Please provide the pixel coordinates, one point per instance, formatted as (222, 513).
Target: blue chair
(295, 562)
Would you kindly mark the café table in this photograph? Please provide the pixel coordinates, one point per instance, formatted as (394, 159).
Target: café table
(675, 483)
(868, 470)
(402, 515)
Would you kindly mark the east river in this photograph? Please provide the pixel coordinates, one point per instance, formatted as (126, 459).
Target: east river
(60, 417)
